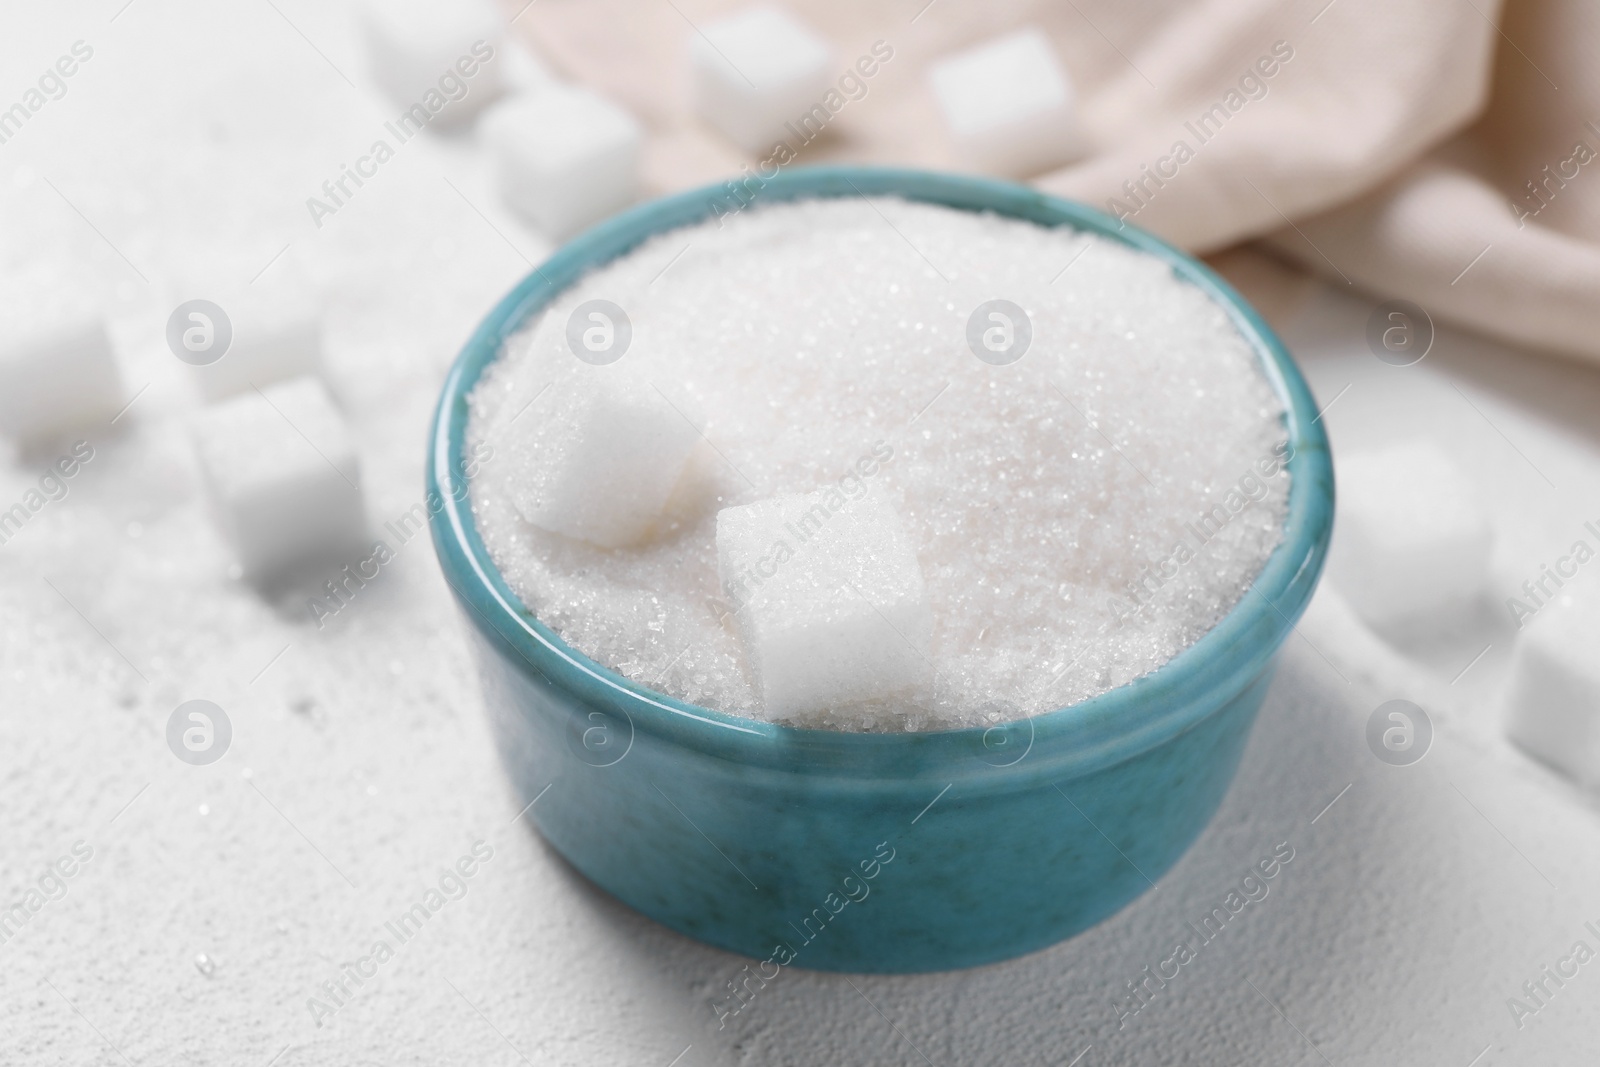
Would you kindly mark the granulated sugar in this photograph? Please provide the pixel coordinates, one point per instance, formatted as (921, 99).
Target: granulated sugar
(1080, 515)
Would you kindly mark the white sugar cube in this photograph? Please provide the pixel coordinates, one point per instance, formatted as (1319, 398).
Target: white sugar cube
(564, 157)
(56, 378)
(1009, 105)
(756, 71)
(521, 70)
(282, 476)
(1553, 701)
(829, 600)
(1412, 538)
(442, 56)
(276, 335)
(599, 454)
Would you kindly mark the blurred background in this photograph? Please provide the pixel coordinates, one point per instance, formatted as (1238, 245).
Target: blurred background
(247, 237)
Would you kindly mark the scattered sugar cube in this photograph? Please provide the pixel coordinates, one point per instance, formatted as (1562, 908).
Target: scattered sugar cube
(442, 55)
(1412, 538)
(1009, 105)
(829, 599)
(277, 335)
(565, 157)
(1553, 701)
(58, 377)
(282, 476)
(599, 458)
(757, 70)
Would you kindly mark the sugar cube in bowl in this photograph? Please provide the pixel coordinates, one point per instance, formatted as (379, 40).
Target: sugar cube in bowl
(830, 599)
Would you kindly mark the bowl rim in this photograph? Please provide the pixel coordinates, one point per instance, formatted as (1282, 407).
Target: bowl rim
(1074, 739)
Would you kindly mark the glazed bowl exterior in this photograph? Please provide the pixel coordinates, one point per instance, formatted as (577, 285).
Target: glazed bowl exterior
(870, 852)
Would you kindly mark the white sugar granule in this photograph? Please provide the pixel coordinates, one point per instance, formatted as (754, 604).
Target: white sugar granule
(1038, 494)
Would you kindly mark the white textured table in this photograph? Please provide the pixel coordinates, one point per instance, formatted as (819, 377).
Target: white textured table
(216, 901)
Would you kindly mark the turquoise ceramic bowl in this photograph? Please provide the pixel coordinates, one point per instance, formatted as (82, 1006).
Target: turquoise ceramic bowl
(870, 852)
